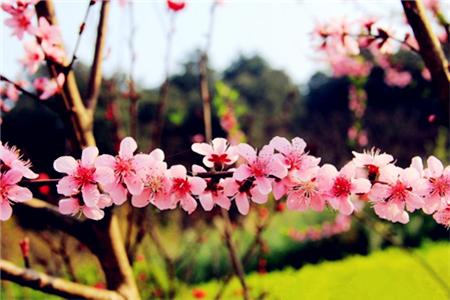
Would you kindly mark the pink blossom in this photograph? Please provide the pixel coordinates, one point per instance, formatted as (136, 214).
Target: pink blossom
(339, 186)
(307, 191)
(294, 156)
(11, 157)
(442, 216)
(48, 33)
(214, 192)
(16, 7)
(10, 191)
(368, 164)
(125, 167)
(397, 188)
(33, 56)
(21, 23)
(392, 77)
(344, 65)
(183, 186)
(218, 154)
(54, 53)
(83, 176)
(260, 166)
(48, 87)
(242, 192)
(12, 93)
(437, 192)
(157, 185)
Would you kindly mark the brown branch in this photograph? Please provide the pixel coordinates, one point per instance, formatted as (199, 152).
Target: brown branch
(52, 285)
(17, 86)
(81, 123)
(430, 49)
(95, 77)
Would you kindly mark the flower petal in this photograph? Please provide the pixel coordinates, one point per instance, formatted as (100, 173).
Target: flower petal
(65, 164)
(202, 148)
(242, 203)
(88, 156)
(90, 194)
(67, 186)
(127, 147)
(206, 201)
(93, 213)
(68, 206)
(5, 210)
(19, 194)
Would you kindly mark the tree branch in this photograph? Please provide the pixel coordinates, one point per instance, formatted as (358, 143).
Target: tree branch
(95, 78)
(52, 285)
(429, 48)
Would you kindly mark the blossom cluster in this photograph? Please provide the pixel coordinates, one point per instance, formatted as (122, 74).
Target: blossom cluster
(341, 224)
(342, 41)
(45, 45)
(241, 175)
(12, 170)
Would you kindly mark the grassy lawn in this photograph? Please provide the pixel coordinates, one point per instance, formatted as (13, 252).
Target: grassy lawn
(390, 274)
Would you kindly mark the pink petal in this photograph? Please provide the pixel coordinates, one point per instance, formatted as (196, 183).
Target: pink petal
(90, 194)
(242, 203)
(223, 201)
(348, 170)
(266, 152)
(177, 171)
(317, 202)
(389, 173)
(278, 189)
(281, 144)
(247, 152)
(198, 185)
(219, 145)
(206, 201)
(117, 192)
(258, 197)
(416, 163)
(141, 200)
(360, 186)
(414, 201)
(207, 162)
(379, 192)
(19, 194)
(230, 187)
(157, 154)
(277, 169)
(93, 213)
(104, 175)
(298, 144)
(105, 160)
(68, 206)
(134, 184)
(432, 204)
(264, 185)
(409, 176)
(296, 202)
(188, 204)
(5, 211)
(435, 166)
(127, 147)
(104, 201)
(202, 148)
(346, 207)
(88, 156)
(67, 186)
(11, 177)
(197, 169)
(242, 173)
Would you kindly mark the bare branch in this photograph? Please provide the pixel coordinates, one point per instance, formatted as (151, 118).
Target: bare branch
(95, 78)
(52, 285)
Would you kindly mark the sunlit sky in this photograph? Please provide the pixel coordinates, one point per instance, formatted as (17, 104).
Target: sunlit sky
(277, 30)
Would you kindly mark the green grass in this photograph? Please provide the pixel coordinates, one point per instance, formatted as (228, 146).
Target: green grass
(390, 274)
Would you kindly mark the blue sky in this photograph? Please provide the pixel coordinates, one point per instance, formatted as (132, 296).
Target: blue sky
(277, 30)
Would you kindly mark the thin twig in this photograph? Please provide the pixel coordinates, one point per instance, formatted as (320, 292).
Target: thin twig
(17, 86)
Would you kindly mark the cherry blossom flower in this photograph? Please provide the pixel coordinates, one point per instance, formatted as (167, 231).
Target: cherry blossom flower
(392, 77)
(48, 33)
(218, 154)
(396, 190)
(157, 185)
(183, 186)
(16, 7)
(48, 87)
(83, 176)
(214, 192)
(175, 5)
(442, 216)
(33, 56)
(339, 186)
(368, 164)
(260, 166)
(21, 23)
(242, 192)
(125, 166)
(11, 157)
(11, 192)
(53, 53)
(307, 191)
(437, 193)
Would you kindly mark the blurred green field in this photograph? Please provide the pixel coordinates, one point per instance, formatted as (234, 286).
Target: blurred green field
(390, 274)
